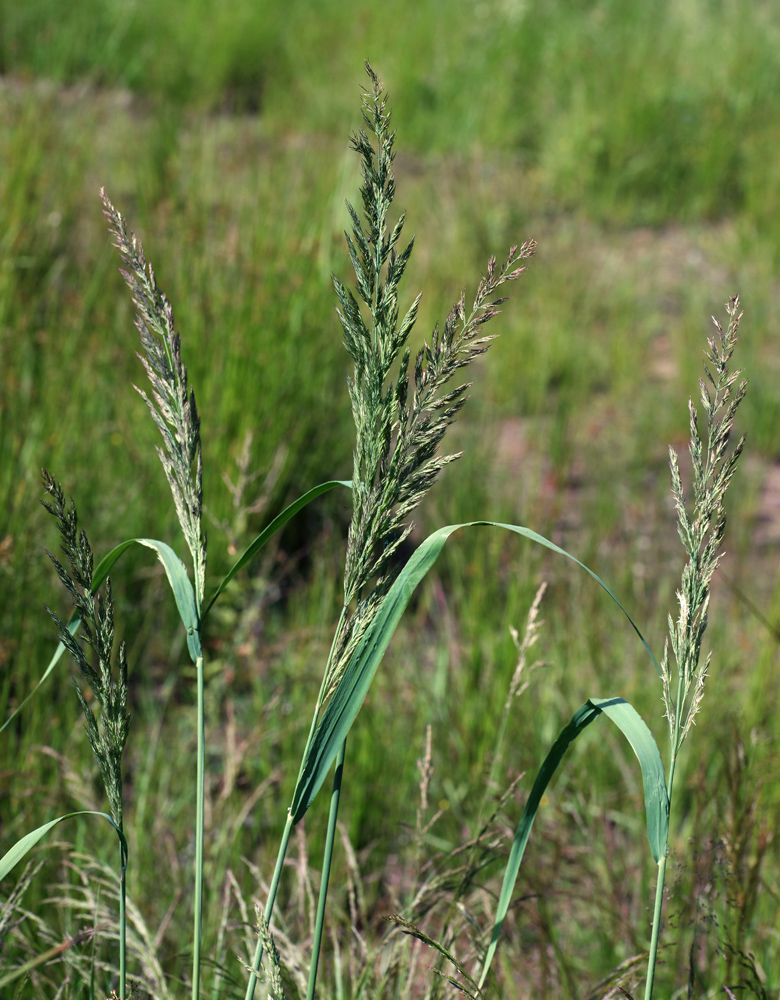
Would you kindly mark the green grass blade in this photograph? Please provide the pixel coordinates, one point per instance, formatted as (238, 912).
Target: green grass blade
(182, 592)
(630, 723)
(99, 575)
(270, 530)
(73, 626)
(25, 845)
(633, 727)
(103, 568)
(579, 721)
(343, 707)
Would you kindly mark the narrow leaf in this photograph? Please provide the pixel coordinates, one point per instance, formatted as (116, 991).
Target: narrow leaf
(26, 844)
(182, 592)
(633, 727)
(181, 586)
(644, 746)
(73, 626)
(98, 576)
(278, 522)
(343, 707)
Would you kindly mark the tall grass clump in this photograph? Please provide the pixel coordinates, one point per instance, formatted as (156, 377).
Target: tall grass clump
(402, 409)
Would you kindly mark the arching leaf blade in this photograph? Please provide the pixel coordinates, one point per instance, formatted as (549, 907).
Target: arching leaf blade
(23, 846)
(631, 724)
(343, 707)
(579, 721)
(73, 625)
(98, 576)
(270, 530)
(103, 568)
(634, 728)
(182, 592)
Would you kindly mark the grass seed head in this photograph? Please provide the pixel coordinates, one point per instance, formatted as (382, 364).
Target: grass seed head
(96, 613)
(399, 422)
(172, 403)
(702, 531)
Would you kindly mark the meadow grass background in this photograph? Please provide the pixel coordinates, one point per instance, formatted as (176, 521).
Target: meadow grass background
(638, 145)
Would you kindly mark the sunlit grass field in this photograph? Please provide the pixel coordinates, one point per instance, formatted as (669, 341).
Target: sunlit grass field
(638, 145)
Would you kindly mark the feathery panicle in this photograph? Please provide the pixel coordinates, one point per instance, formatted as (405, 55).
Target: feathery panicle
(272, 960)
(533, 625)
(172, 403)
(400, 422)
(702, 531)
(96, 612)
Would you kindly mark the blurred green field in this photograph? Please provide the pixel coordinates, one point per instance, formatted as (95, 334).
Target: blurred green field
(638, 145)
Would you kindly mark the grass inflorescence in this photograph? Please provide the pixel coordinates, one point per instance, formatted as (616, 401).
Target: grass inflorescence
(95, 617)
(172, 405)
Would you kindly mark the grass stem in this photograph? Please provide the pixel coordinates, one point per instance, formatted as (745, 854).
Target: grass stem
(199, 824)
(327, 858)
(122, 925)
(659, 900)
(652, 957)
(269, 907)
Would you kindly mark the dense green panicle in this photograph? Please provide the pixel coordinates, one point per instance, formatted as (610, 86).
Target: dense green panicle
(172, 405)
(96, 613)
(399, 423)
(702, 531)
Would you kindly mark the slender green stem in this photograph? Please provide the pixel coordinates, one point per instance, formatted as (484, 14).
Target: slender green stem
(659, 899)
(199, 823)
(269, 909)
(327, 858)
(122, 926)
(659, 894)
(269, 906)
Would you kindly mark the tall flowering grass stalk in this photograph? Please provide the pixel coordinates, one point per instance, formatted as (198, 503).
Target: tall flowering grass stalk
(400, 421)
(173, 409)
(107, 737)
(701, 533)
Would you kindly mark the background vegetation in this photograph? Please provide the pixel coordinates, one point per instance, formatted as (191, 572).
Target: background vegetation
(638, 145)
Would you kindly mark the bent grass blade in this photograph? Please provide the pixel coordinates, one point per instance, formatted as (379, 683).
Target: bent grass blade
(278, 522)
(345, 704)
(73, 625)
(182, 592)
(633, 727)
(185, 599)
(23, 846)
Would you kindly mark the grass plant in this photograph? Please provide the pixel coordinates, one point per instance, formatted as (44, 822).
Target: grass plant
(400, 420)
(96, 616)
(702, 535)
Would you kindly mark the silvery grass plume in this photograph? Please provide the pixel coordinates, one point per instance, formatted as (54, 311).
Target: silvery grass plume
(172, 404)
(702, 532)
(96, 613)
(399, 422)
